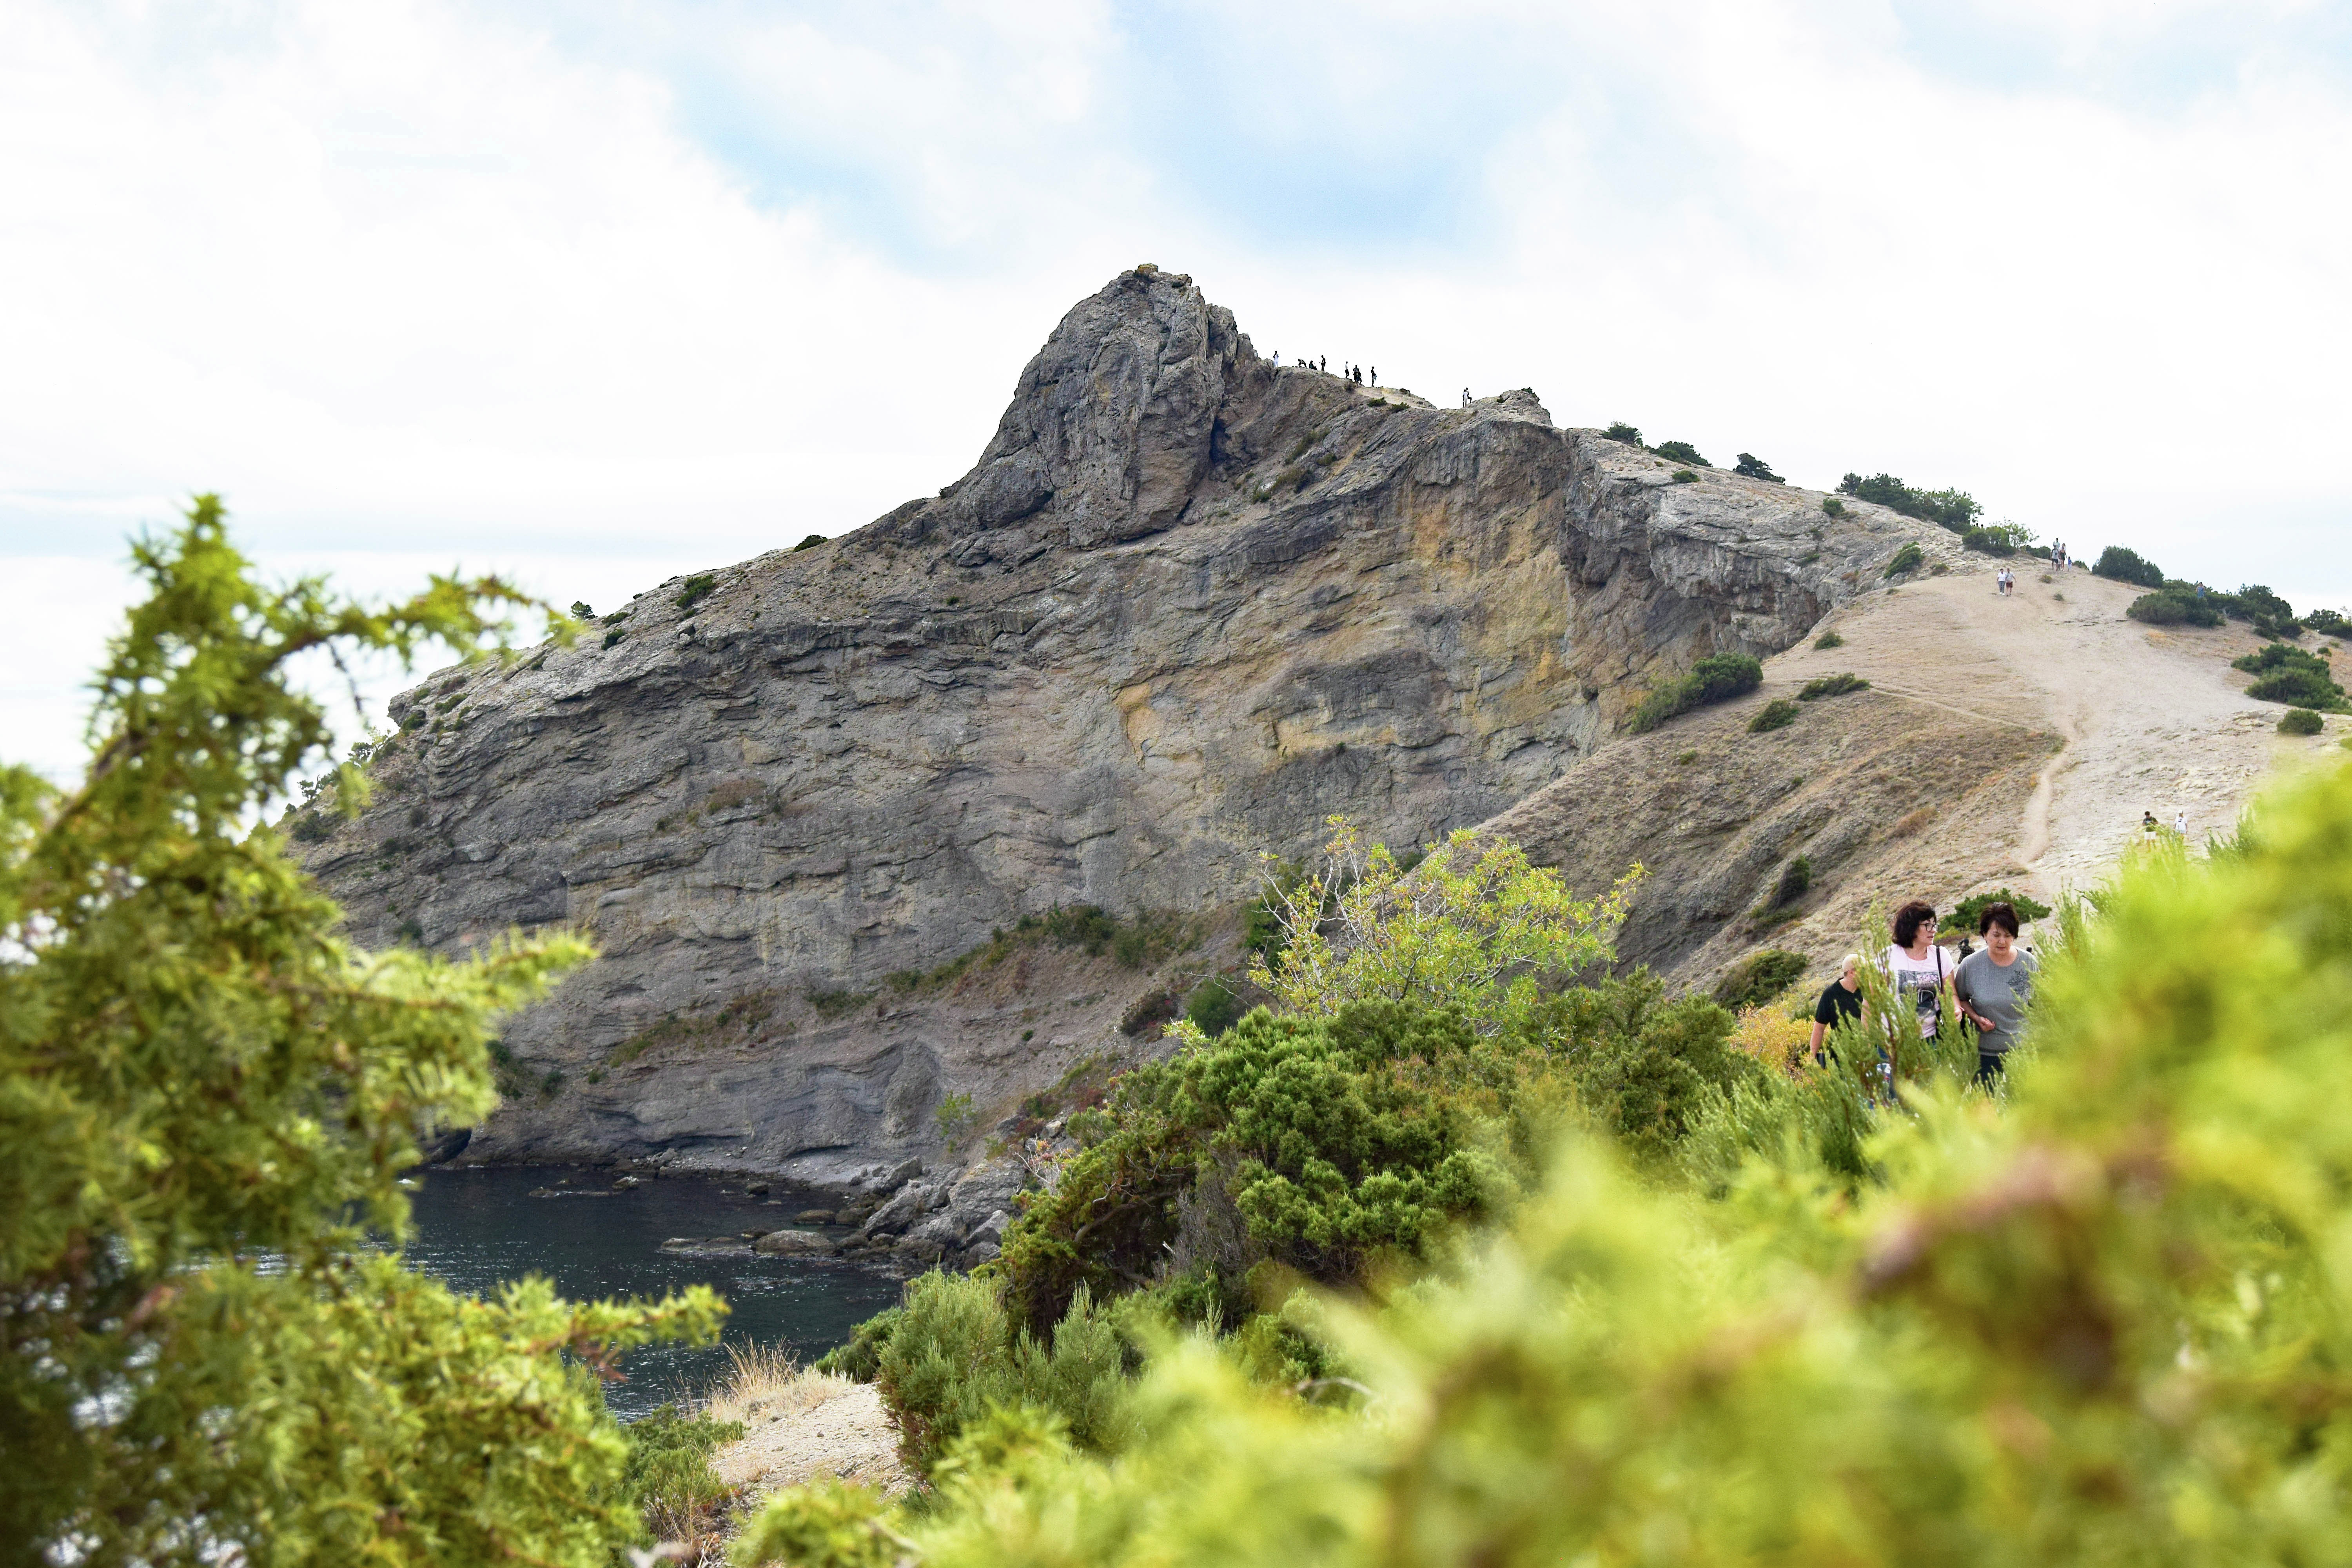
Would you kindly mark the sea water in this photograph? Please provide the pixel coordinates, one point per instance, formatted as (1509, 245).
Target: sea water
(477, 1227)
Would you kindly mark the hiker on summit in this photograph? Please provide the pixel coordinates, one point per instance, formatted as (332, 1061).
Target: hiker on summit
(1994, 988)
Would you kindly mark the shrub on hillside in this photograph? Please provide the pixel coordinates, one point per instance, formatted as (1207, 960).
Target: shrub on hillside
(2002, 539)
(1833, 507)
(1776, 714)
(2329, 623)
(810, 542)
(1752, 467)
(1962, 919)
(1907, 559)
(1213, 1006)
(2171, 606)
(2125, 565)
(1620, 431)
(1717, 677)
(954, 1353)
(1954, 510)
(695, 589)
(1832, 686)
(1828, 640)
(1680, 452)
(1759, 977)
(2285, 674)
(2300, 721)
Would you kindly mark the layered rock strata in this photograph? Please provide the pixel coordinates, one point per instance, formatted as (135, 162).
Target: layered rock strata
(1187, 605)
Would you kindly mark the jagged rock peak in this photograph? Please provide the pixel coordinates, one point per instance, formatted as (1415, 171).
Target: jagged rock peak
(1111, 425)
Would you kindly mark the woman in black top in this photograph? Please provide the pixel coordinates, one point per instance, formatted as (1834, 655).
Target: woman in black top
(1842, 1000)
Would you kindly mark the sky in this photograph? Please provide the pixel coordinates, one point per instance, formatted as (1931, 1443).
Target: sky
(596, 294)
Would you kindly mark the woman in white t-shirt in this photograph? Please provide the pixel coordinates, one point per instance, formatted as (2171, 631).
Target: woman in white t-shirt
(1920, 972)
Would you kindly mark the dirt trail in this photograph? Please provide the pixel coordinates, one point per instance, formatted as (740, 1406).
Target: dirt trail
(2153, 718)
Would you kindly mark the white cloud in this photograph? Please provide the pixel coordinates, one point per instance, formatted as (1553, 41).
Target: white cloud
(659, 288)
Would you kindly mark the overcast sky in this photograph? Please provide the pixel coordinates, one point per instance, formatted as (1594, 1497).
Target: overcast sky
(658, 286)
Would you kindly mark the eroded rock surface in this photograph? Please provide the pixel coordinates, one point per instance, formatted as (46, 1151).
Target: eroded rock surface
(1187, 605)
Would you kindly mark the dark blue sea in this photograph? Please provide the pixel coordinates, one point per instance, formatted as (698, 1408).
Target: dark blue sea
(477, 1227)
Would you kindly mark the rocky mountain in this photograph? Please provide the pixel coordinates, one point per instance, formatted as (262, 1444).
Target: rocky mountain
(1188, 605)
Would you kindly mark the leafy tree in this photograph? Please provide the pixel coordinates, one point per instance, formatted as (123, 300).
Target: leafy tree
(1680, 452)
(1752, 467)
(1470, 927)
(205, 1090)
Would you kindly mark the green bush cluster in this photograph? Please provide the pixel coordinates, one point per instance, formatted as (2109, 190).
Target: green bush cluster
(2002, 539)
(1833, 507)
(2329, 623)
(1961, 919)
(1214, 1006)
(2289, 674)
(2126, 565)
(1907, 559)
(1717, 677)
(1832, 686)
(2178, 603)
(1954, 510)
(1335, 1149)
(695, 589)
(669, 1478)
(2300, 721)
(2098, 1315)
(1630, 434)
(953, 1353)
(2175, 606)
(1759, 977)
(1828, 640)
(1680, 452)
(1776, 714)
(1751, 466)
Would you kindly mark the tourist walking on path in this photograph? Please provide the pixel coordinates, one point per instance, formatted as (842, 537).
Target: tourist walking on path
(1840, 1002)
(1994, 988)
(1917, 967)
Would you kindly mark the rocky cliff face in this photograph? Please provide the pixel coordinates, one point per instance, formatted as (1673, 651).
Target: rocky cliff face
(1187, 605)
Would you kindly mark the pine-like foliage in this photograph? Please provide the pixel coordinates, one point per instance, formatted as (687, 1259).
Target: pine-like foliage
(2103, 1317)
(203, 1092)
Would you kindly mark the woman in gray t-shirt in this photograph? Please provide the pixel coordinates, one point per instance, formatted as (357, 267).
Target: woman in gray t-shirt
(1994, 987)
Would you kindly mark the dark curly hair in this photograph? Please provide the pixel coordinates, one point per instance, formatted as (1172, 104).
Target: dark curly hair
(1907, 920)
(1996, 914)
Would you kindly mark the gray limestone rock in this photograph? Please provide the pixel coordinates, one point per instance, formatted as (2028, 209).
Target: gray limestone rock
(795, 1243)
(1186, 606)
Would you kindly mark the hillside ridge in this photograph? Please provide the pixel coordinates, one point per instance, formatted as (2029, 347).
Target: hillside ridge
(1187, 604)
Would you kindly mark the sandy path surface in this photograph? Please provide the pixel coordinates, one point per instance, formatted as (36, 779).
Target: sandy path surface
(2153, 718)
(846, 1437)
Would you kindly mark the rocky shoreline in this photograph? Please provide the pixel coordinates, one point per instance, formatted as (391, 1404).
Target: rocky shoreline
(903, 1216)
